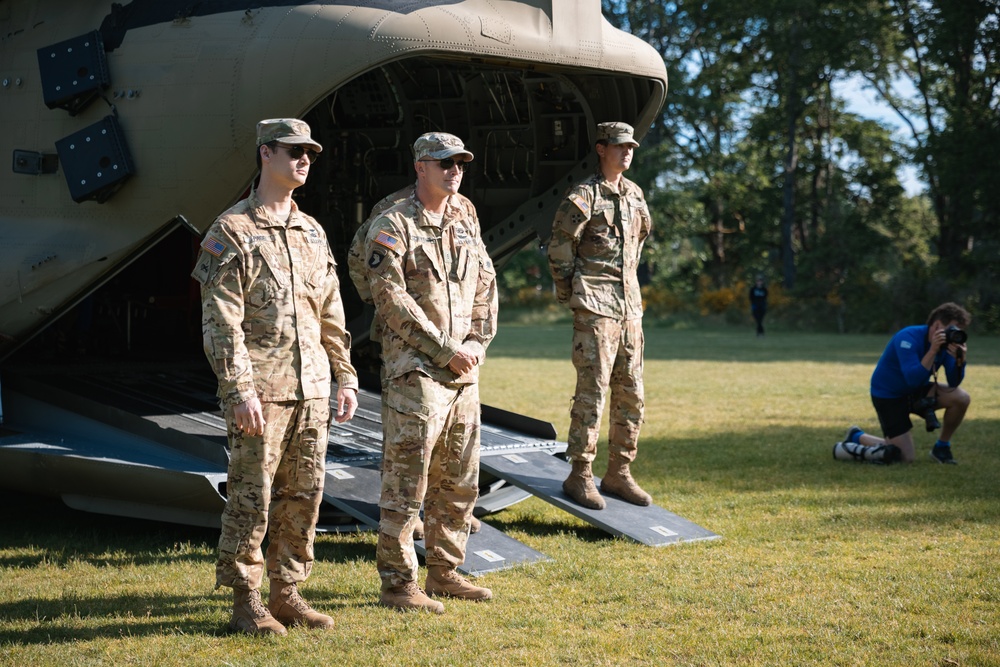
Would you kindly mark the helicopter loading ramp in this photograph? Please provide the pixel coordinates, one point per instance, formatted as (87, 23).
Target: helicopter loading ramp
(356, 491)
(148, 441)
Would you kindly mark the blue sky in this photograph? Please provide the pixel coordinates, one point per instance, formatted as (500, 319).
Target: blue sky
(866, 103)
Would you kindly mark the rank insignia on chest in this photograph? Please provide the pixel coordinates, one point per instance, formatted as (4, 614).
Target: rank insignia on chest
(213, 246)
(388, 240)
(581, 204)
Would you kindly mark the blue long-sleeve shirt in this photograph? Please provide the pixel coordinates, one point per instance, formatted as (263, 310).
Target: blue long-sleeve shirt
(899, 372)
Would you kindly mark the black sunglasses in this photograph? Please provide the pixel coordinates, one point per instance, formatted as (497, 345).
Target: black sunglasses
(450, 162)
(296, 152)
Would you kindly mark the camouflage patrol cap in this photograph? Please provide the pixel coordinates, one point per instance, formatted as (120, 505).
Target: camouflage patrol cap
(616, 133)
(287, 131)
(438, 146)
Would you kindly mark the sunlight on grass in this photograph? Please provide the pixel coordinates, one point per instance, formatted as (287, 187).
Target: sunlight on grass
(820, 562)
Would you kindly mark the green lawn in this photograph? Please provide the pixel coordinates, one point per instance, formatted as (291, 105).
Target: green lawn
(820, 562)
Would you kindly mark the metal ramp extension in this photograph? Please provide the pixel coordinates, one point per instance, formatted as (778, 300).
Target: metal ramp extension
(543, 474)
(355, 490)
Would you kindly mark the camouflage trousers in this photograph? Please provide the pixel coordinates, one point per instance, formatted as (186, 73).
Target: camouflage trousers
(275, 485)
(607, 353)
(431, 456)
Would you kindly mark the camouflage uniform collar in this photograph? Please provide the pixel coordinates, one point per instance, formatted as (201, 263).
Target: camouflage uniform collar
(607, 189)
(427, 219)
(264, 218)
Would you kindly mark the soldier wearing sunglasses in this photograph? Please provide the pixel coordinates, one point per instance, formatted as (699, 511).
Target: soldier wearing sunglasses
(434, 289)
(275, 335)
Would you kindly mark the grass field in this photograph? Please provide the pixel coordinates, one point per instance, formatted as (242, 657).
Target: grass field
(820, 562)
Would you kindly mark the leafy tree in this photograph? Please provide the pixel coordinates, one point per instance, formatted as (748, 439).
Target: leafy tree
(945, 58)
(755, 166)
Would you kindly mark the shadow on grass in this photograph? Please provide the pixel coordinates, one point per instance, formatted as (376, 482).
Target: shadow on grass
(60, 535)
(770, 466)
(59, 621)
(760, 475)
(50, 532)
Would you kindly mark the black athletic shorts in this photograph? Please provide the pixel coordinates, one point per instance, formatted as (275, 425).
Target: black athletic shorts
(894, 413)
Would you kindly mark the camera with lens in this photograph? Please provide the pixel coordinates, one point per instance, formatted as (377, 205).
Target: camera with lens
(953, 334)
(924, 407)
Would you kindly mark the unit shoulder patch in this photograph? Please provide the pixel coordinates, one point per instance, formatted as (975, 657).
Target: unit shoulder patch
(375, 259)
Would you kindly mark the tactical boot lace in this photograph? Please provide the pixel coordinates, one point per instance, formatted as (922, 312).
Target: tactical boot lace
(291, 609)
(257, 607)
(251, 616)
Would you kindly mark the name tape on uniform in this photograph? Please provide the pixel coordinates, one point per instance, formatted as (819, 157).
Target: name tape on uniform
(662, 530)
(489, 556)
(515, 458)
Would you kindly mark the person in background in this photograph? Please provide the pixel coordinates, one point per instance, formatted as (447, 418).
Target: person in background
(905, 382)
(758, 303)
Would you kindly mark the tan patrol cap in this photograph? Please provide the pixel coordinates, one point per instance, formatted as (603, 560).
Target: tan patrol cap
(287, 131)
(616, 133)
(438, 146)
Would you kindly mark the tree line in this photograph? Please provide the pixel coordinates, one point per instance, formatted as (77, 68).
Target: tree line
(755, 165)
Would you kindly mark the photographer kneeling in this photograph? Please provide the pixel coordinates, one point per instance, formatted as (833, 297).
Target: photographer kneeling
(905, 383)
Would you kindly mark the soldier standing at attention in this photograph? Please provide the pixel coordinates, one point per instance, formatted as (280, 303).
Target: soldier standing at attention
(434, 289)
(597, 237)
(275, 335)
(357, 269)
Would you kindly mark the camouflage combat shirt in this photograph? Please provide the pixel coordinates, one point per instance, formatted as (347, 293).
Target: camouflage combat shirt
(357, 264)
(597, 237)
(434, 287)
(272, 317)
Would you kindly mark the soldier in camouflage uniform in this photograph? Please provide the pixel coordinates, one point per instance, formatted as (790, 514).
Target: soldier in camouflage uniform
(357, 268)
(275, 335)
(434, 289)
(597, 237)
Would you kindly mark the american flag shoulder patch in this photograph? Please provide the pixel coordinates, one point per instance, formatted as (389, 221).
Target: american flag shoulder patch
(581, 204)
(213, 246)
(388, 240)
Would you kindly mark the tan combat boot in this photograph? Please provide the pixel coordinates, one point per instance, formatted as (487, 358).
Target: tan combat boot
(618, 481)
(251, 617)
(580, 486)
(446, 582)
(289, 608)
(409, 597)
(475, 525)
